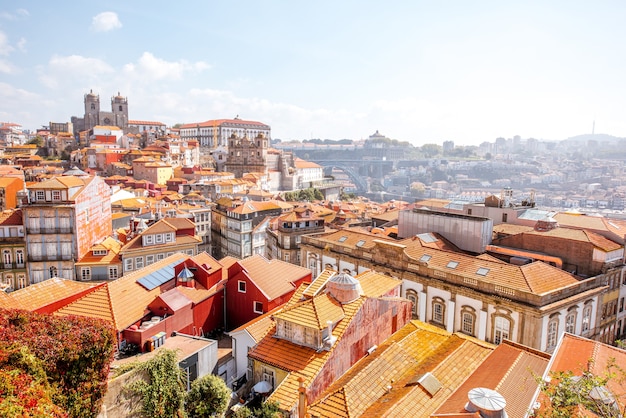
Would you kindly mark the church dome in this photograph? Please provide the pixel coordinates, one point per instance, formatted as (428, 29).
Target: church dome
(344, 288)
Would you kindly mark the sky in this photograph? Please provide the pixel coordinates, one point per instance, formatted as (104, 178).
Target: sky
(415, 70)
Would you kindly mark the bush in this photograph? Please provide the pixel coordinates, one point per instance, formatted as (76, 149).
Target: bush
(208, 396)
(75, 354)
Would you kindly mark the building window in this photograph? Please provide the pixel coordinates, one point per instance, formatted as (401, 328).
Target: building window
(149, 239)
(258, 307)
(6, 257)
(113, 273)
(19, 256)
(505, 216)
(268, 376)
(502, 328)
(85, 273)
(54, 272)
(412, 296)
(468, 320)
(553, 329)
(149, 259)
(40, 195)
(586, 318)
(439, 310)
(56, 195)
(570, 322)
(138, 262)
(158, 238)
(128, 264)
(242, 286)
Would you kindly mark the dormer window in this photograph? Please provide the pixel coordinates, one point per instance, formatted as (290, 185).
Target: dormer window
(40, 195)
(100, 252)
(56, 195)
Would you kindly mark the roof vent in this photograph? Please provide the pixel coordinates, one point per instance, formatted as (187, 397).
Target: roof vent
(487, 402)
(344, 288)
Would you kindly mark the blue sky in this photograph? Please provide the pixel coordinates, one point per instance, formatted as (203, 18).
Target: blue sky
(420, 71)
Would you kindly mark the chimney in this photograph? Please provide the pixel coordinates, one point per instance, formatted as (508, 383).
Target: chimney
(301, 399)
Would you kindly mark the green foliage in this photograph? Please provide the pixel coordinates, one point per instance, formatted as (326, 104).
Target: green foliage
(163, 394)
(74, 352)
(243, 412)
(570, 395)
(37, 140)
(24, 388)
(307, 195)
(348, 196)
(430, 150)
(270, 409)
(208, 396)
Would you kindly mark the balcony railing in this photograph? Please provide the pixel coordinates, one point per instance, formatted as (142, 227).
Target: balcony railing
(53, 257)
(59, 230)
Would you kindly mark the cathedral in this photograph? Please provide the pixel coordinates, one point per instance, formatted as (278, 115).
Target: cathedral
(118, 116)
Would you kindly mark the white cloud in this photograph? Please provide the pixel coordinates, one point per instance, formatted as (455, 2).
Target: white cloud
(105, 21)
(6, 67)
(72, 70)
(21, 44)
(19, 13)
(149, 67)
(5, 46)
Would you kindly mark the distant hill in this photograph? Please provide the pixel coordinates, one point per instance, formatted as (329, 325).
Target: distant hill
(595, 137)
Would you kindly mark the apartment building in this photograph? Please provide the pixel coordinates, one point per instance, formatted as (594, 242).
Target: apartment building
(239, 226)
(480, 296)
(285, 232)
(13, 273)
(158, 241)
(64, 216)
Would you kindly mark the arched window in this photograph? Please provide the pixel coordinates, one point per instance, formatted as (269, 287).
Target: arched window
(439, 311)
(6, 257)
(553, 332)
(412, 296)
(468, 320)
(502, 329)
(586, 318)
(570, 322)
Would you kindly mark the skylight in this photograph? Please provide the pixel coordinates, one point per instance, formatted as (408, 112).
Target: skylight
(425, 258)
(452, 264)
(482, 271)
(342, 239)
(360, 243)
(427, 237)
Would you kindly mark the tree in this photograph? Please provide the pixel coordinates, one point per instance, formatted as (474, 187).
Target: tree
(37, 140)
(208, 396)
(269, 409)
(430, 150)
(569, 395)
(74, 352)
(163, 394)
(243, 412)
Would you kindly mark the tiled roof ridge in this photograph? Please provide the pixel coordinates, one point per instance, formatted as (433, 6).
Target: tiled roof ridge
(594, 355)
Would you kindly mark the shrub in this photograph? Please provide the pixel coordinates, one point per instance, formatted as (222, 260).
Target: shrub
(208, 396)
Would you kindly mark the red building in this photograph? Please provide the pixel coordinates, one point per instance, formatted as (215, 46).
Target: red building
(257, 285)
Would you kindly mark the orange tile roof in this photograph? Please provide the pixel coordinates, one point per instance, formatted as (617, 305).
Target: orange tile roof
(318, 283)
(375, 284)
(122, 301)
(274, 278)
(415, 349)
(11, 217)
(313, 313)
(509, 370)
(44, 293)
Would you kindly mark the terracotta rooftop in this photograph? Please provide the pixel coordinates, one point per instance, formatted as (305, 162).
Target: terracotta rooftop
(313, 313)
(299, 360)
(382, 384)
(510, 370)
(11, 217)
(274, 278)
(123, 301)
(42, 294)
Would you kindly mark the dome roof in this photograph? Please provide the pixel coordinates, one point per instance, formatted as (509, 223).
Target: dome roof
(344, 288)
